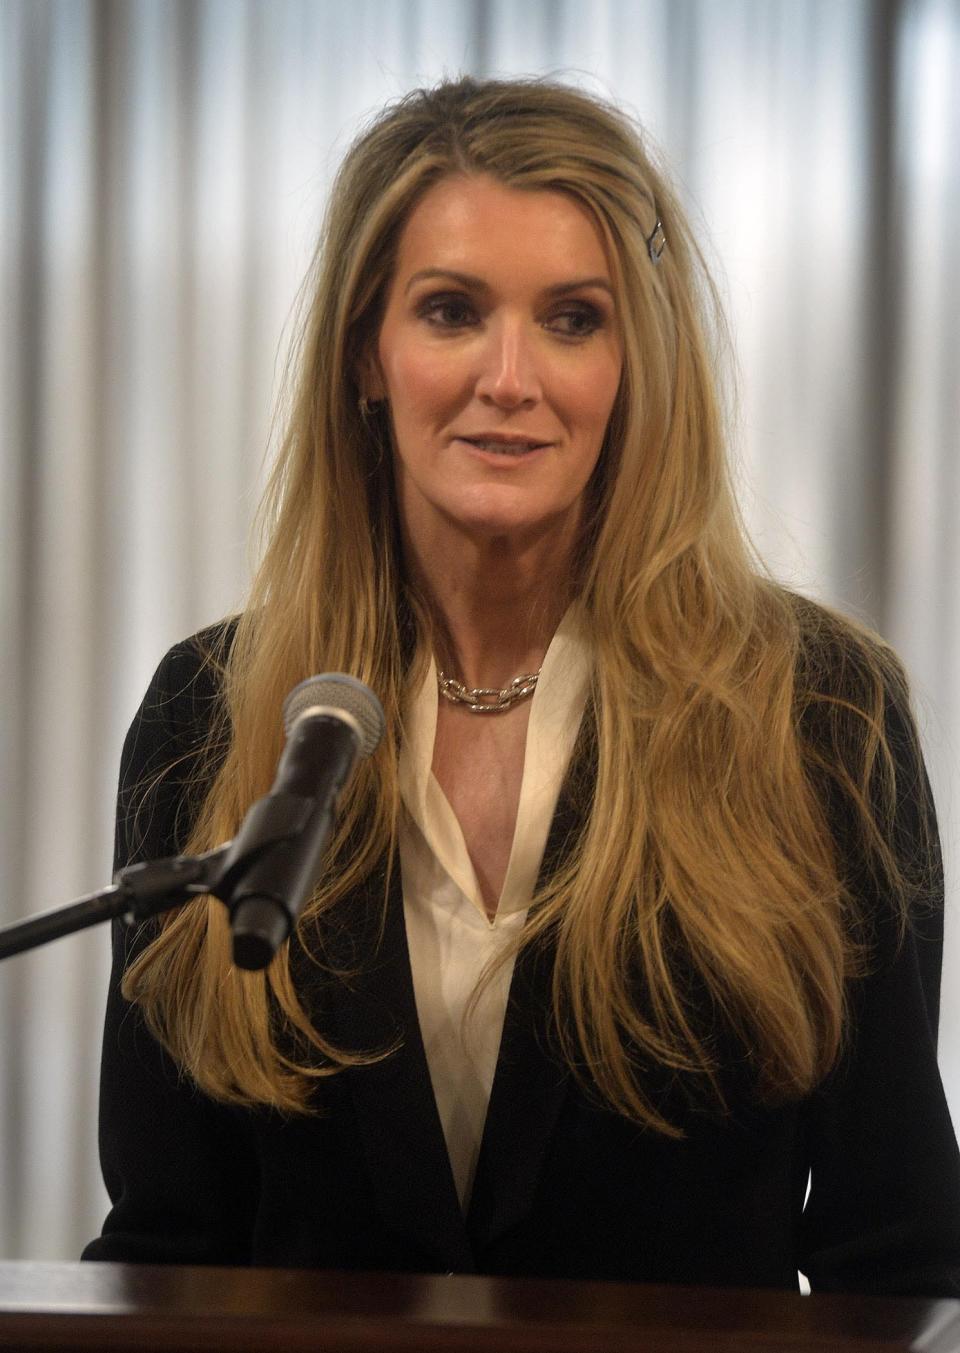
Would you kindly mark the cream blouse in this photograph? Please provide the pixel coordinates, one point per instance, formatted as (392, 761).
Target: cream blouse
(450, 938)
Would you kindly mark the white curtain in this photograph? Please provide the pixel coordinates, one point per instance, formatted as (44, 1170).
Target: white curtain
(164, 165)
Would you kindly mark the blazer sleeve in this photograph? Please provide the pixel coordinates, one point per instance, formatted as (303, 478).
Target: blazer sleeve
(179, 1168)
(883, 1210)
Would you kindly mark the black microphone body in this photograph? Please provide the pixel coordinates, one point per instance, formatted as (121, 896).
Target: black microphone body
(272, 865)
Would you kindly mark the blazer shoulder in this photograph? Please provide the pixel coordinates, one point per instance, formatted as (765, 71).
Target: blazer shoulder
(172, 746)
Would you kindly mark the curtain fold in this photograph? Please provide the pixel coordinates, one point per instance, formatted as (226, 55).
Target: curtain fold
(922, 542)
(165, 164)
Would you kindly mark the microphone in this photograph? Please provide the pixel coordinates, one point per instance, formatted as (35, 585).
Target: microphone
(273, 863)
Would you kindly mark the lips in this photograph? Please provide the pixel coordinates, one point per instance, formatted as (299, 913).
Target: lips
(504, 446)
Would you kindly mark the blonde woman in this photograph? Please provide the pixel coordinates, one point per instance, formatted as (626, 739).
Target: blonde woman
(608, 961)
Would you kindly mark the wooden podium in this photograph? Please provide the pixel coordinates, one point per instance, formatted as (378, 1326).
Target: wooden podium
(120, 1306)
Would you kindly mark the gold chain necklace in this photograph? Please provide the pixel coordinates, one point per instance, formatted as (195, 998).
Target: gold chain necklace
(487, 699)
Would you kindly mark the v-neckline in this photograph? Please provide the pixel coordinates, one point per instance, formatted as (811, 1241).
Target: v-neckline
(555, 715)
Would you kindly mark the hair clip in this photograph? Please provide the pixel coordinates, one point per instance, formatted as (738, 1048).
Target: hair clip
(656, 242)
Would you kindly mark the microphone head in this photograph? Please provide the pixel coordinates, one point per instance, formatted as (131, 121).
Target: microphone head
(334, 691)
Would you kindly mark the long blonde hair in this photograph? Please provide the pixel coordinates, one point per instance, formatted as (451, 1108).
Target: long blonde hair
(724, 710)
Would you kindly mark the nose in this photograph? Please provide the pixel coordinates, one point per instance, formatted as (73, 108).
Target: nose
(509, 375)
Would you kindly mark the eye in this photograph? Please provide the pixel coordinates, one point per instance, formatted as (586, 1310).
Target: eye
(449, 310)
(576, 321)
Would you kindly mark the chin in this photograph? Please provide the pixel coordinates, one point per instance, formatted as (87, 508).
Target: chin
(516, 525)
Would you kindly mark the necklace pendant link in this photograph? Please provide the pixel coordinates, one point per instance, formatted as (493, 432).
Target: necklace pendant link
(487, 699)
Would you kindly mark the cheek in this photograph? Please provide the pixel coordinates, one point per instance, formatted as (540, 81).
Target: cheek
(420, 385)
(590, 398)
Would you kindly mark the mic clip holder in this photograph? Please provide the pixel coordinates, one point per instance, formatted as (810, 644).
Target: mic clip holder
(237, 873)
(145, 890)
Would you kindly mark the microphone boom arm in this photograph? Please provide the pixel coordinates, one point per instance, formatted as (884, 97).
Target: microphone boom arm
(141, 891)
(144, 890)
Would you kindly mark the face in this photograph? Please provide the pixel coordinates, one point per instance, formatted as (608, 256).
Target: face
(499, 355)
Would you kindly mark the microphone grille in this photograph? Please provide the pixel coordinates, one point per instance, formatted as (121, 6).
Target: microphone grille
(336, 690)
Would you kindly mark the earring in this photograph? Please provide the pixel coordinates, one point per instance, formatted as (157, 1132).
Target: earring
(368, 407)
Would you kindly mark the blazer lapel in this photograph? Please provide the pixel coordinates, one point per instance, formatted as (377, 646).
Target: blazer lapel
(530, 1082)
(528, 1090)
(400, 1129)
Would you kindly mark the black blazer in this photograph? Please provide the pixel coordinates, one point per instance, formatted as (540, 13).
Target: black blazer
(564, 1187)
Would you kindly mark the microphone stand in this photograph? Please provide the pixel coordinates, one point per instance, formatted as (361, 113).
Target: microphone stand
(141, 891)
(259, 923)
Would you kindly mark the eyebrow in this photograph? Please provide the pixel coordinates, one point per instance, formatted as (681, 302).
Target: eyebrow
(478, 284)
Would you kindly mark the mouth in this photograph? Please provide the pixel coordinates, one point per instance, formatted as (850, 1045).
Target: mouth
(504, 446)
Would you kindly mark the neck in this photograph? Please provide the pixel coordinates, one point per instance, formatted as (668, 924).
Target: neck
(495, 606)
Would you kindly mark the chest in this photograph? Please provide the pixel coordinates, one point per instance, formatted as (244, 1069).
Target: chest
(478, 762)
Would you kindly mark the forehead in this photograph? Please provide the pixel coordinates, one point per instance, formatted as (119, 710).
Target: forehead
(476, 224)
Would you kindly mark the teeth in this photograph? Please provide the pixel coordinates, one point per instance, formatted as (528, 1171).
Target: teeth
(503, 448)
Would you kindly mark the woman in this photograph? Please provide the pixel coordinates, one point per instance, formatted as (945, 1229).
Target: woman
(633, 921)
